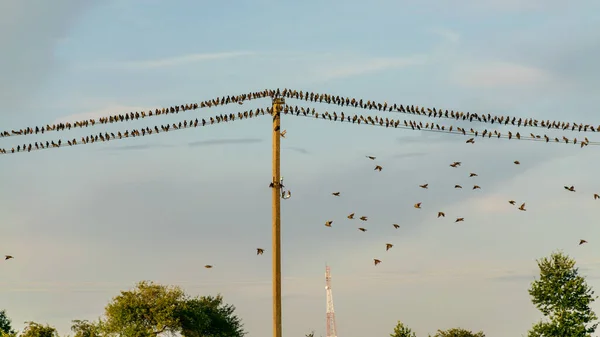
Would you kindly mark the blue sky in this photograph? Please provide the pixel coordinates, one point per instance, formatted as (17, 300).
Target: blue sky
(86, 222)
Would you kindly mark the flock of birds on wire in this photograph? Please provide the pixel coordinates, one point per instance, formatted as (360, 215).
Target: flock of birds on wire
(311, 112)
(305, 112)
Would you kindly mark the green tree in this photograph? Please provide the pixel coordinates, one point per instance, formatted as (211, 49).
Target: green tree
(209, 316)
(148, 310)
(402, 330)
(564, 298)
(85, 328)
(152, 309)
(5, 323)
(458, 332)
(38, 330)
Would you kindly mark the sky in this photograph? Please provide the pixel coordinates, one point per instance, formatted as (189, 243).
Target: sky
(86, 222)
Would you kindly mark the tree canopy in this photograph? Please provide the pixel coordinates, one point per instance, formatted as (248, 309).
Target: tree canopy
(151, 309)
(85, 328)
(458, 332)
(564, 298)
(5, 323)
(34, 329)
(401, 330)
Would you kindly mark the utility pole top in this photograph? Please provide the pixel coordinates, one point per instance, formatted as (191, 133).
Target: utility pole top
(278, 100)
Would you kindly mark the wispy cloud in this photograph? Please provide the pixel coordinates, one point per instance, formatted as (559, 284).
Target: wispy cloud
(134, 147)
(226, 141)
(104, 112)
(341, 69)
(447, 34)
(297, 149)
(409, 155)
(173, 61)
(500, 74)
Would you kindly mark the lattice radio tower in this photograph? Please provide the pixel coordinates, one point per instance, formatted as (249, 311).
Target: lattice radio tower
(331, 326)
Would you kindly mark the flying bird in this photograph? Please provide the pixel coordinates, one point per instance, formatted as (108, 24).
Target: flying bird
(517, 162)
(351, 216)
(328, 223)
(337, 194)
(512, 202)
(441, 214)
(455, 164)
(371, 157)
(376, 261)
(582, 242)
(388, 246)
(476, 187)
(522, 207)
(208, 266)
(396, 226)
(472, 174)
(378, 168)
(459, 219)
(362, 229)
(418, 205)
(259, 251)
(282, 133)
(8, 257)
(364, 218)
(425, 186)
(457, 186)
(571, 189)
(471, 140)
(596, 196)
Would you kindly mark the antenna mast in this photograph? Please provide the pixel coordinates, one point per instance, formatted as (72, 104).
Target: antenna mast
(331, 326)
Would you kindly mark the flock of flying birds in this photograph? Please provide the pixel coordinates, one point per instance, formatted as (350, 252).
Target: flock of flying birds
(287, 194)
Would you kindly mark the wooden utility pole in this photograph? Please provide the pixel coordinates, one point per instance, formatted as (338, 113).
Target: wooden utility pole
(277, 107)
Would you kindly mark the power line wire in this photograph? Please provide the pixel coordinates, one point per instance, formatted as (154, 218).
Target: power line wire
(106, 136)
(428, 127)
(435, 113)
